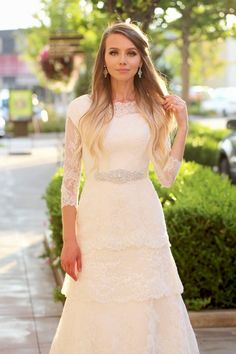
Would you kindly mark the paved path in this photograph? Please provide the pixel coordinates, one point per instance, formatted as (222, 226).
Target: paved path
(28, 314)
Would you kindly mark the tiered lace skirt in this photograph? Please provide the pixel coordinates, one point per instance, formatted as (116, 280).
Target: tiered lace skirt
(127, 299)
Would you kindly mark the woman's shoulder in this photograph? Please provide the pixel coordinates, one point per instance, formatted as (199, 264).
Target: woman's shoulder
(78, 107)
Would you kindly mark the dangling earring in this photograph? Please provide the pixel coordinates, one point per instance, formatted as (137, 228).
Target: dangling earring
(140, 72)
(105, 72)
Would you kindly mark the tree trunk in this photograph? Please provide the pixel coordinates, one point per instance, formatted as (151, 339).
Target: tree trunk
(185, 68)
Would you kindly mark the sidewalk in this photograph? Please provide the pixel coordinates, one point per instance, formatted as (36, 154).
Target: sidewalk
(28, 314)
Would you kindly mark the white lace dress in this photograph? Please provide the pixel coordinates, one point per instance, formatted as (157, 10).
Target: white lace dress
(127, 299)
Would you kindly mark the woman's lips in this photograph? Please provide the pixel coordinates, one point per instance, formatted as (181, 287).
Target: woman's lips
(122, 70)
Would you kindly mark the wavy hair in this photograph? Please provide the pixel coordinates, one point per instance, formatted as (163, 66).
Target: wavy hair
(149, 93)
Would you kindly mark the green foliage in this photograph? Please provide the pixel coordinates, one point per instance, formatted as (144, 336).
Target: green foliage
(202, 228)
(197, 304)
(202, 22)
(194, 108)
(202, 150)
(141, 11)
(57, 125)
(202, 144)
(53, 201)
(58, 296)
(197, 129)
(82, 85)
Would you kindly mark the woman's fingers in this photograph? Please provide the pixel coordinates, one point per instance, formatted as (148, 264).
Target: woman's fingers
(79, 264)
(71, 259)
(70, 270)
(173, 102)
(73, 268)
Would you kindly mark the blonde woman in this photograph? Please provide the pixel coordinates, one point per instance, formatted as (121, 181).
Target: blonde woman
(122, 287)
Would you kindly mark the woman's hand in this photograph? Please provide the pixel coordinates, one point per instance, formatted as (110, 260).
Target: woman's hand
(71, 258)
(178, 106)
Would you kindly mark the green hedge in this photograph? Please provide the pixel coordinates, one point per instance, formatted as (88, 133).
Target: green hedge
(53, 200)
(57, 125)
(202, 144)
(200, 215)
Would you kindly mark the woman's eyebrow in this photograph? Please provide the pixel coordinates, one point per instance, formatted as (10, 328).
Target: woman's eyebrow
(126, 49)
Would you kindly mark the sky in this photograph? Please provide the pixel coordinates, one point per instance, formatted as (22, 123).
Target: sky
(18, 13)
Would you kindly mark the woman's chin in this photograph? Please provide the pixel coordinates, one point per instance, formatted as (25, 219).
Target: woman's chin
(122, 77)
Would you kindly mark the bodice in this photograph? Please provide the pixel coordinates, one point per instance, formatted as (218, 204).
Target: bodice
(126, 149)
(125, 142)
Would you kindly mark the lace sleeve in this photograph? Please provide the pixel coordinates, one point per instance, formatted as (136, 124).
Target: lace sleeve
(72, 165)
(169, 172)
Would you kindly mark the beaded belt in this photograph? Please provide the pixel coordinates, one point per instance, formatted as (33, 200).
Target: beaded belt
(120, 175)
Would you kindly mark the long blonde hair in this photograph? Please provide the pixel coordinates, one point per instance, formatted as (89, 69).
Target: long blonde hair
(149, 93)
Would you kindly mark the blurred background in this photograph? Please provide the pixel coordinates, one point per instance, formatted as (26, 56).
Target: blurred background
(47, 51)
(48, 47)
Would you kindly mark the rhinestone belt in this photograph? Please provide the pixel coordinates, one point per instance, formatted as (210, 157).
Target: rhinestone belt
(120, 175)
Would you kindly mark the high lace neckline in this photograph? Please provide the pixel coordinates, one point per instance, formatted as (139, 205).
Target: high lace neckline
(131, 102)
(124, 108)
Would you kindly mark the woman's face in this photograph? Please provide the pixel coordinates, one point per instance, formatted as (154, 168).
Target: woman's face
(122, 58)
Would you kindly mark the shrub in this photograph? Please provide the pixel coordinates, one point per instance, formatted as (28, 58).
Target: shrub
(202, 228)
(194, 108)
(202, 144)
(53, 197)
(201, 150)
(57, 125)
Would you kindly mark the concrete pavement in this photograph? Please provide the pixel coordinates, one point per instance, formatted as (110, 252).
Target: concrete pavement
(28, 314)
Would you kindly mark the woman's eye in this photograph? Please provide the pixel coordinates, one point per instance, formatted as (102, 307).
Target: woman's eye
(132, 54)
(112, 52)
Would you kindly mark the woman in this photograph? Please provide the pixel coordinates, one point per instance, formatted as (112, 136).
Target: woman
(122, 285)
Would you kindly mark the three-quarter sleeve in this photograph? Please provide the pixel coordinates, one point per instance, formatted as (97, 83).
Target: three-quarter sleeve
(72, 165)
(168, 173)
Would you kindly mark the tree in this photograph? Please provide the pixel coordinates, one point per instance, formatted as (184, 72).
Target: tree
(142, 12)
(184, 22)
(193, 22)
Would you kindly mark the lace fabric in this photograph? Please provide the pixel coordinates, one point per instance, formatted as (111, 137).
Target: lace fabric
(152, 327)
(72, 165)
(132, 274)
(122, 108)
(167, 175)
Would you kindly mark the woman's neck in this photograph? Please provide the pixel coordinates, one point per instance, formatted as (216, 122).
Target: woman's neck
(122, 91)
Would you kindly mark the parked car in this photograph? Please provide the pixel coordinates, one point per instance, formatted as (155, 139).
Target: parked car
(199, 93)
(227, 153)
(2, 126)
(222, 100)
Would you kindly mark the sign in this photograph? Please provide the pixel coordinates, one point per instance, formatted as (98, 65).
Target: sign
(20, 105)
(67, 44)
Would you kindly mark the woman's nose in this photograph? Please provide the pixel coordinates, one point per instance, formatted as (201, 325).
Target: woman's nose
(123, 59)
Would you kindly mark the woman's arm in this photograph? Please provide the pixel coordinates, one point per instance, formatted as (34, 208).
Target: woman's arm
(68, 222)
(177, 150)
(168, 173)
(178, 106)
(70, 255)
